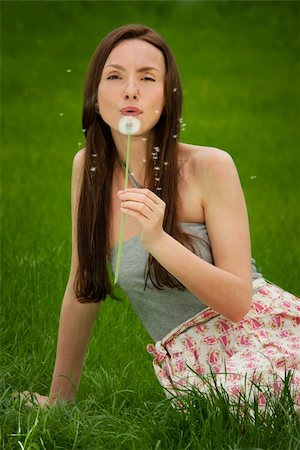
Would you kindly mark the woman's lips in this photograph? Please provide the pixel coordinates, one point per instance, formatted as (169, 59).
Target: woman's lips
(131, 111)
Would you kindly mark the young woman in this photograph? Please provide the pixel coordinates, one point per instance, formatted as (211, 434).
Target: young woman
(186, 260)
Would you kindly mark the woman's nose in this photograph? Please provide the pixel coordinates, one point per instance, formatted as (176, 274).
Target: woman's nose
(131, 91)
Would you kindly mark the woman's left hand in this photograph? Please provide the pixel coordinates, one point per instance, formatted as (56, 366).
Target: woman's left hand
(148, 209)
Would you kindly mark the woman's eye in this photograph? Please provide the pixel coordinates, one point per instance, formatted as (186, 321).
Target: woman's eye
(113, 77)
(148, 79)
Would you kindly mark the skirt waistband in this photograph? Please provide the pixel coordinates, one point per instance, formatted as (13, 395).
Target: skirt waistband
(258, 283)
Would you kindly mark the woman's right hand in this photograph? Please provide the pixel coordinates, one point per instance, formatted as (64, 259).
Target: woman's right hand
(33, 399)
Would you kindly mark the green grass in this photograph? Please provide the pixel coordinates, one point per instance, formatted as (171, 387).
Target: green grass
(239, 68)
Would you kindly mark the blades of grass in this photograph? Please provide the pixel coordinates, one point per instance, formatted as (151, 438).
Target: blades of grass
(30, 432)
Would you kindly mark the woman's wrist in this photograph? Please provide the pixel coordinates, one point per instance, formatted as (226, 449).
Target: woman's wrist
(55, 398)
(155, 244)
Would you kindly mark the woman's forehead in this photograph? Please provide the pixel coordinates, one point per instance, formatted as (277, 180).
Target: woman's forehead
(137, 53)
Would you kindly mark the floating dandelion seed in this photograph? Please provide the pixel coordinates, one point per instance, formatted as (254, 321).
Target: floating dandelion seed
(157, 168)
(166, 163)
(175, 136)
(92, 169)
(180, 119)
(252, 177)
(69, 70)
(144, 160)
(61, 114)
(94, 154)
(132, 174)
(175, 89)
(83, 130)
(156, 179)
(157, 149)
(79, 144)
(144, 139)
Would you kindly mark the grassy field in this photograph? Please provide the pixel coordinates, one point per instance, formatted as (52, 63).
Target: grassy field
(239, 67)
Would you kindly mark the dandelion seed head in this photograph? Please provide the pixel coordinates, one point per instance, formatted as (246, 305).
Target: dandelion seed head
(129, 125)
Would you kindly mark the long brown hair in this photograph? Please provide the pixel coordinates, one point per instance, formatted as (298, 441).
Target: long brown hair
(92, 282)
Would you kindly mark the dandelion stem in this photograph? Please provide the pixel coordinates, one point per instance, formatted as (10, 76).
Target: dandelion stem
(121, 235)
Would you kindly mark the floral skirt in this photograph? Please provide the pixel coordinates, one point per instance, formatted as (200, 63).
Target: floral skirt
(249, 358)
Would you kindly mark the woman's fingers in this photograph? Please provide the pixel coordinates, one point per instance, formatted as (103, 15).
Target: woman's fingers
(32, 398)
(143, 195)
(141, 208)
(143, 201)
(147, 208)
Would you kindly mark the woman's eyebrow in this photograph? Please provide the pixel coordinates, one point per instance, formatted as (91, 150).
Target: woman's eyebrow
(142, 69)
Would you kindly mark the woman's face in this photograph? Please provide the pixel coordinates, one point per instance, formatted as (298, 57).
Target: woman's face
(133, 76)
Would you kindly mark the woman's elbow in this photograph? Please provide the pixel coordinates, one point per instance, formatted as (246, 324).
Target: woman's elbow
(241, 310)
(239, 315)
(241, 304)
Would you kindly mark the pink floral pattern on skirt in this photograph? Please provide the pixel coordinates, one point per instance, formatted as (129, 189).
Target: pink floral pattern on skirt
(259, 350)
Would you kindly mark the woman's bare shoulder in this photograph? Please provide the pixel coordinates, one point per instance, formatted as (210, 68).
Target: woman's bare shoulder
(202, 154)
(79, 158)
(78, 168)
(205, 161)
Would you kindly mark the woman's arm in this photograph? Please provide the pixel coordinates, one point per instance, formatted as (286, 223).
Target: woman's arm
(226, 286)
(76, 319)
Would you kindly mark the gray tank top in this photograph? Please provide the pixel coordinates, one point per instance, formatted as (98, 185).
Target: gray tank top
(160, 310)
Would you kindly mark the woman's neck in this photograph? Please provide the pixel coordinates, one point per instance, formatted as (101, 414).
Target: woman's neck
(138, 154)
